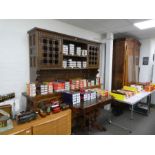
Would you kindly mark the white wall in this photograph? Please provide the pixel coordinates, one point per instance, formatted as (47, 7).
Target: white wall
(145, 52)
(14, 58)
(147, 72)
(153, 63)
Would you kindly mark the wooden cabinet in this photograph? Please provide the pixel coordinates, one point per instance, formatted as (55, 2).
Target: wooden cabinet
(59, 125)
(54, 124)
(50, 53)
(93, 56)
(125, 62)
(47, 57)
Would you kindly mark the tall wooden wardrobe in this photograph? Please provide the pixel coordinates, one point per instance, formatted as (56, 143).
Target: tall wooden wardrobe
(125, 62)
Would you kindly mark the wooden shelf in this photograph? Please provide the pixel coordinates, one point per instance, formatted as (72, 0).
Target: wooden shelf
(40, 96)
(91, 87)
(54, 94)
(75, 56)
(67, 68)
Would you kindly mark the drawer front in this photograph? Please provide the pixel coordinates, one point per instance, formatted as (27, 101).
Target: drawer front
(60, 126)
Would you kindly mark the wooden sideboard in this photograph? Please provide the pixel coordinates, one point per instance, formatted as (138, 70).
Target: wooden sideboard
(46, 56)
(53, 124)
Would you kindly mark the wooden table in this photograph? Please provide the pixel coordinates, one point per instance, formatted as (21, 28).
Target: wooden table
(89, 111)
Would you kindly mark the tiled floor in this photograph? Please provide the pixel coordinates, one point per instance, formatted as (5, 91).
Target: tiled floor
(140, 125)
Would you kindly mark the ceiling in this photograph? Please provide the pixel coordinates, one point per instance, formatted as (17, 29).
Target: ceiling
(120, 27)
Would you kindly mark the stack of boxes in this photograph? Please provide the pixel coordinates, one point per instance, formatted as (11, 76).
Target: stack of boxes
(84, 83)
(84, 97)
(73, 84)
(92, 83)
(58, 86)
(67, 86)
(43, 89)
(87, 96)
(65, 49)
(71, 49)
(92, 95)
(88, 83)
(71, 98)
(84, 52)
(31, 89)
(78, 51)
(79, 64)
(50, 87)
(73, 64)
(81, 84)
(97, 81)
(69, 63)
(84, 64)
(77, 84)
(64, 63)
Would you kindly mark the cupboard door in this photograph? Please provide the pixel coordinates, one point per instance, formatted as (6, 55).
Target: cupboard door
(133, 63)
(56, 126)
(50, 51)
(93, 56)
(48, 128)
(119, 63)
(136, 60)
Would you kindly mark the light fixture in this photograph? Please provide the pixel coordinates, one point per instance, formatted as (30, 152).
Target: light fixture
(145, 24)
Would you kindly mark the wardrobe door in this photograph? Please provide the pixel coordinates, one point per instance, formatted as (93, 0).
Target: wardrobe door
(118, 64)
(132, 61)
(136, 60)
(130, 70)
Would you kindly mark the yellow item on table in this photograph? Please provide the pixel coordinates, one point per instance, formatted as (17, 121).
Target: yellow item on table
(130, 89)
(118, 96)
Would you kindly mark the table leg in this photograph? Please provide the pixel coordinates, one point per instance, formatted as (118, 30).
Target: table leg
(149, 103)
(132, 109)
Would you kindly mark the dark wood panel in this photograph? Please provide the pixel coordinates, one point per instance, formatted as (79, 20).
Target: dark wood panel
(50, 75)
(125, 62)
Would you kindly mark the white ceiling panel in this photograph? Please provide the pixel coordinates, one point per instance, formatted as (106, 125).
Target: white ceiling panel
(116, 26)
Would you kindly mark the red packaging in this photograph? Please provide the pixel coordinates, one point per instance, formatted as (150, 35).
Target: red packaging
(58, 86)
(106, 93)
(72, 87)
(56, 110)
(81, 84)
(77, 84)
(50, 87)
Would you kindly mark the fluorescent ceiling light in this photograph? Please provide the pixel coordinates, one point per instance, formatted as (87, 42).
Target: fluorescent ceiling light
(145, 24)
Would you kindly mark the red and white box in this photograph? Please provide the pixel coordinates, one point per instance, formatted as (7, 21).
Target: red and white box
(31, 89)
(58, 86)
(50, 87)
